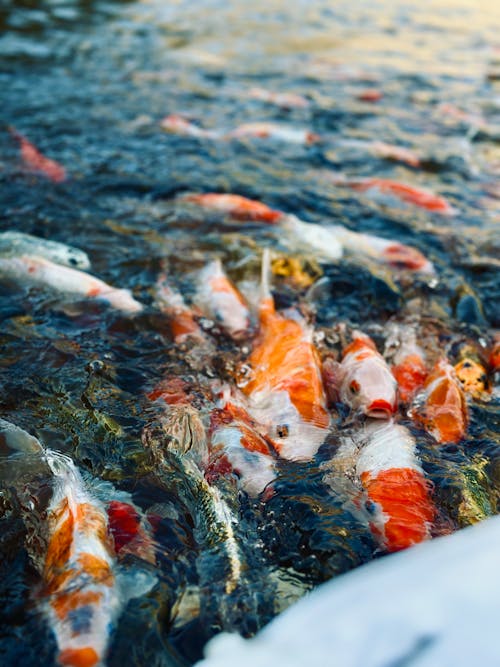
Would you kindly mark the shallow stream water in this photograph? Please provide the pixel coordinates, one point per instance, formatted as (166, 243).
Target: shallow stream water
(88, 83)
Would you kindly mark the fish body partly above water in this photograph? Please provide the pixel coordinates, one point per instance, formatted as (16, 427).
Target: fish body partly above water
(35, 162)
(285, 390)
(14, 244)
(63, 279)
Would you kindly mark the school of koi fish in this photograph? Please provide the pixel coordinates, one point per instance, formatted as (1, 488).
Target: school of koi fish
(257, 388)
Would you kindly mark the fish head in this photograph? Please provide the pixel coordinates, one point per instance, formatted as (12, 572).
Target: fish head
(473, 376)
(370, 388)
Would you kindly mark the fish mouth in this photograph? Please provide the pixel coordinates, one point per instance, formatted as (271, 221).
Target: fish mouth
(380, 409)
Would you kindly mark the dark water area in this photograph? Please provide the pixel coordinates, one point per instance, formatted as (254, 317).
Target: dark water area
(89, 83)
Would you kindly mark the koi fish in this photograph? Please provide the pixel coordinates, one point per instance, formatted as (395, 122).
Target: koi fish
(236, 447)
(472, 372)
(43, 272)
(36, 162)
(392, 253)
(182, 321)
(442, 408)
(219, 299)
(407, 193)
(285, 391)
(410, 368)
(383, 150)
(397, 492)
(179, 448)
(370, 95)
(364, 380)
(82, 596)
(130, 531)
(239, 208)
(264, 130)
(176, 124)
(285, 100)
(13, 244)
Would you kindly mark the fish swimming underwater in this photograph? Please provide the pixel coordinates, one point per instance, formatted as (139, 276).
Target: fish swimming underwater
(284, 100)
(406, 193)
(441, 406)
(284, 389)
(36, 162)
(176, 124)
(182, 321)
(45, 273)
(364, 380)
(13, 244)
(236, 206)
(275, 131)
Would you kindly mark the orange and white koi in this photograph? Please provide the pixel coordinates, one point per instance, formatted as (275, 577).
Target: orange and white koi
(409, 367)
(364, 380)
(236, 447)
(239, 208)
(176, 124)
(182, 321)
(406, 193)
(442, 408)
(285, 390)
(329, 242)
(284, 100)
(36, 162)
(82, 597)
(398, 494)
(383, 150)
(43, 272)
(284, 133)
(219, 299)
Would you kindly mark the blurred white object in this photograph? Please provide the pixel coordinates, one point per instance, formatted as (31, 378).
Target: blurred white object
(434, 605)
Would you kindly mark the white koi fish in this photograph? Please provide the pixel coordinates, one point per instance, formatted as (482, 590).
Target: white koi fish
(43, 272)
(285, 133)
(13, 244)
(219, 299)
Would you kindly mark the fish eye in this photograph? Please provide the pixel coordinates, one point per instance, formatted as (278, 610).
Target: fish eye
(282, 430)
(354, 387)
(467, 364)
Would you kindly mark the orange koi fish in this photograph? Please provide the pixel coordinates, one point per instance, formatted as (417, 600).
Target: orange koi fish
(239, 208)
(443, 409)
(264, 130)
(370, 95)
(82, 597)
(36, 162)
(45, 273)
(284, 100)
(472, 372)
(219, 299)
(410, 368)
(407, 193)
(397, 492)
(236, 447)
(130, 531)
(397, 153)
(285, 390)
(176, 124)
(364, 381)
(182, 321)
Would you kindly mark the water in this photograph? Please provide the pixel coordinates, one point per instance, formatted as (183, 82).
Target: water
(89, 83)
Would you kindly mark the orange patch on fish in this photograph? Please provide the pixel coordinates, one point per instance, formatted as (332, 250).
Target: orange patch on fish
(68, 601)
(78, 657)
(363, 345)
(400, 255)
(403, 496)
(410, 375)
(97, 568)
(60, 545)
(370, 95)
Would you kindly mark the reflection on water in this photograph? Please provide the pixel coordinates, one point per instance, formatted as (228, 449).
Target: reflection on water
(89, 84)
